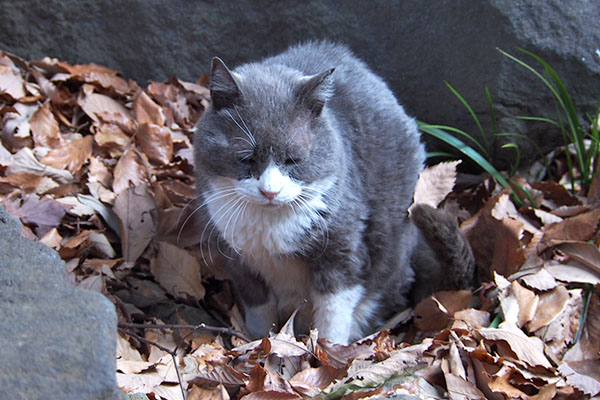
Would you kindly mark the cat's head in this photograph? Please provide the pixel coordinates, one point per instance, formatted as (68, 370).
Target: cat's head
(267, 136)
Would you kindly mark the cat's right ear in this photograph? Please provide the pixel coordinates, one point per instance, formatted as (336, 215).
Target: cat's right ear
(316, 90)
(224, 91)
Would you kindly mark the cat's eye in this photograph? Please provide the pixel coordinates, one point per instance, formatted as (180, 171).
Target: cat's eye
(290, 162)
(247, 160)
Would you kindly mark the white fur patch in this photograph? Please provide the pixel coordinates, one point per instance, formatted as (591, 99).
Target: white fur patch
(333, 314)
(257, 227)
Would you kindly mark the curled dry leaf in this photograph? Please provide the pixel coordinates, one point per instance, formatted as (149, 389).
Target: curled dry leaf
(526, 349)
(146, 111)
(94, 104)
(45, 128)
(156, 142)
(131, 170)
(551, 304)
(177, 271)
(435, 312)
(71, 155)
(135, 211)
(435, 183)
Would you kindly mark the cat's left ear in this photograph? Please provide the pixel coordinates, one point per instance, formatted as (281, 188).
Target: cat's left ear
(315, 90)
(224, 91)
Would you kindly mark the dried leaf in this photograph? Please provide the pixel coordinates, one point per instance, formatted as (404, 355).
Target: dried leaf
(131, 170)
(94, 104)
(435, 183)
(45, 128)
(71, 155)
(156, 143)
(177, 271)
(11, 83)
(586, 253)
(25, 161)
(146, 111)
(135, 211)
(526, 349)
(528, 303)
(581, 227)
(551, 304)
(434, 312)
(589, 385)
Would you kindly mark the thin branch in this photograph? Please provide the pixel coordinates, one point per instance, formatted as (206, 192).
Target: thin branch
(227, 331)
(173, 354)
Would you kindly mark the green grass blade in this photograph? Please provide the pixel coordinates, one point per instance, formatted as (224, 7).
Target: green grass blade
(471, 112)
(459, 145)
(538, 119)
(462, 133)
(444, 154)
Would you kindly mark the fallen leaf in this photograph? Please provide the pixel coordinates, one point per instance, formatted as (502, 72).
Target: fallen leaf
(550, 305)
(45, 128)
(135, 211)
(94, 104)
(155, 141)
(25, 161)
(177, 271)
(589, 385)
(528, 303)
(435, 183)
(586, 253)
(71, 155)
(526, 349)
(131, 170)
(146, 111)
(434, 312)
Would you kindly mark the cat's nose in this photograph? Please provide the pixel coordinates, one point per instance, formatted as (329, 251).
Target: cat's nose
(269, 195)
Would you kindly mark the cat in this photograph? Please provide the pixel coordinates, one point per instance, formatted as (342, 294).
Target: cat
(306, 166)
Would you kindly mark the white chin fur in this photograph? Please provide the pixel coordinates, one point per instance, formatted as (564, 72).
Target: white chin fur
(258, 227)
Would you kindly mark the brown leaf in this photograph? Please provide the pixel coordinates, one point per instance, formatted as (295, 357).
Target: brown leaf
(528, 303)
(98, 172)
(156, 143)
(473, 317)
(177, 271)
(311, 381)
(25, 161)
(588, 384)
(551, 304)
(581, 227)
(111, 138)
(459, 388)
(526, 349)
(146, 111)
(135, 210)
(434, 312)
(216, 393)
(42, 212)
(71, 155)
(45, 128)
(94, 104)
(435, 183)
(586, 253)
(11, 83)
(131, 170)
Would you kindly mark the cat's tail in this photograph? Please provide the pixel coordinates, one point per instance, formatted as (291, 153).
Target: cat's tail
(446, 244)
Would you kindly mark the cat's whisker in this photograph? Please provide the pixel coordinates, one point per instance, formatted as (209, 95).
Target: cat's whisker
(214, 223)
(238, 206)
(251, 141)
(216, 195)
(228, 211)
(248, 131)
(243, 139)
(305, 203)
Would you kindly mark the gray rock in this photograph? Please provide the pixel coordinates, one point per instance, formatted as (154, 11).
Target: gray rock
(56, 341)
(414, 45)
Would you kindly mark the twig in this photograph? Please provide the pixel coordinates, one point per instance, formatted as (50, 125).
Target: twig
(227, 331)
(173, 354)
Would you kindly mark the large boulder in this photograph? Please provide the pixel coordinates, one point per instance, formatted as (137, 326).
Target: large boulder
(56, 341)
(414, 45)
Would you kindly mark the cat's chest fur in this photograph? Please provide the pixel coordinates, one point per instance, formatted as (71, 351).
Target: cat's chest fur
(261, 234)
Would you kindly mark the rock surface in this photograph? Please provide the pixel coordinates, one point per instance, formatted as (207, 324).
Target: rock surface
(414, 45)
(56, 341)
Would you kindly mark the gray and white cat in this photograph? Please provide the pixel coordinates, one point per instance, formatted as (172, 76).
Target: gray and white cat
(306, 165)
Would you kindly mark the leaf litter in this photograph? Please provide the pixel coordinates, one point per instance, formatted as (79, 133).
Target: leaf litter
(101, 170)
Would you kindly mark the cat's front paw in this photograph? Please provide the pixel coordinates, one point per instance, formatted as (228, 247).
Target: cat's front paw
(260, 319)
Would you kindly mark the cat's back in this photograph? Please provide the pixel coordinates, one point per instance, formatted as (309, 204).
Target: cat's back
(384, 139)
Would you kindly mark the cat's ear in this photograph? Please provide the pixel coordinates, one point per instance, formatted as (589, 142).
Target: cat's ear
(315, 90)
(224, 91)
